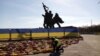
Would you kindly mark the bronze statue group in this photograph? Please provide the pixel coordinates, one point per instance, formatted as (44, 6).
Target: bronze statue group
(49, 20)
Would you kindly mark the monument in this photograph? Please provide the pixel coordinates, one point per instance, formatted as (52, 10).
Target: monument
(49, 20)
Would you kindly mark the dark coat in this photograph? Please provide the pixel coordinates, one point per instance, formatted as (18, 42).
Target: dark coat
(57, 19)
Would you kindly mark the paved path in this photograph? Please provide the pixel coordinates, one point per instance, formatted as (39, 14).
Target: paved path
(90, 46)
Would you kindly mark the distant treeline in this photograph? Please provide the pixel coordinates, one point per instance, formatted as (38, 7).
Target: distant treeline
(94, 29)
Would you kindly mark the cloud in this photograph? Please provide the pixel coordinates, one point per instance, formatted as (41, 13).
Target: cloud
(22, 22)
(98, 2)
(27, 14)
(69, 8)
(60, 2)
(19, 5)
(79, 21)
(30, 22)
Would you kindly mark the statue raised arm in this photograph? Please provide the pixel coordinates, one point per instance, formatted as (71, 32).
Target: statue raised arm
(45, 8)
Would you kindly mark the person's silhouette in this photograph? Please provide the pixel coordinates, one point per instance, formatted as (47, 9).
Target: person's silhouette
(47, 17)
(57, 20)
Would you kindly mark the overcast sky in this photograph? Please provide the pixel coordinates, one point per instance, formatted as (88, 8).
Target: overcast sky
(28, 13)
